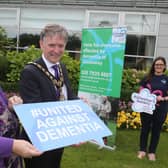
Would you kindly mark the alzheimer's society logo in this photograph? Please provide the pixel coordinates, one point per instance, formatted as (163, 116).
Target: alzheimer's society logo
(119, 35)
(143, 101)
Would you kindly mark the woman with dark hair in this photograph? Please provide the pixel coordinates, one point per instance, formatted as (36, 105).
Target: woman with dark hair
(157, 82)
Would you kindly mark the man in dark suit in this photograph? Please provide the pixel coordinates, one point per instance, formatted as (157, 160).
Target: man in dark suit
(39, 83)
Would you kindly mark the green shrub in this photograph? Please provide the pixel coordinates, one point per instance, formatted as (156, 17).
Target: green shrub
(130, 82)
(5, 42)
(9, 86)
(3, 66)
(73, 68)
(19, 60)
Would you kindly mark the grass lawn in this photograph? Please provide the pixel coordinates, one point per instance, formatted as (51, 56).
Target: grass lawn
(89, 156)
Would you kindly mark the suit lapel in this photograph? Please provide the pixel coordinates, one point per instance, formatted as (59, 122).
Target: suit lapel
(41, 62)
(51, 86)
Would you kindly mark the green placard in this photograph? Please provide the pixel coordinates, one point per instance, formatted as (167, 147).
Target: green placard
(102, 60)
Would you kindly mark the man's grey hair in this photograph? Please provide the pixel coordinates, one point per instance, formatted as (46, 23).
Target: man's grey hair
(52, 30)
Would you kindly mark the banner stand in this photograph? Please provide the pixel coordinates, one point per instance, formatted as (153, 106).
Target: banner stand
(101, 67)
(111, 148)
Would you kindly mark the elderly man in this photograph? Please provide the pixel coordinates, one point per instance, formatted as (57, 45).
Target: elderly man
(45, 80)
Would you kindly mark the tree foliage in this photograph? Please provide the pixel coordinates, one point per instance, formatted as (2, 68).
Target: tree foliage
(5, 42)
(74, 44)
(27, 40)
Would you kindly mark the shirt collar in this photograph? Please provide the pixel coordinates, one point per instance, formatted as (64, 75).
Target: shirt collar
(48, 64)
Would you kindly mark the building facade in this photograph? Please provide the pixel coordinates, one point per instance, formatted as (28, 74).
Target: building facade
(146, 22)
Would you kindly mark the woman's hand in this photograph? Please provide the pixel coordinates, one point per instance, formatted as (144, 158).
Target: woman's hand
(13, 101)
(84, 99)
(79, 144)
(166, 98)
(160, 98)
(24, 149)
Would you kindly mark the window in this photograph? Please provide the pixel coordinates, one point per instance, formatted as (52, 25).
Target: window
(142, 29)
(33, 19)
(140, 45)
(97, 19)
(142, 23)
(8, 20)
(137, 63)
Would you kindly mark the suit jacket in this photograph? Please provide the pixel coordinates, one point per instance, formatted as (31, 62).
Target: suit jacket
(35, 87)
(5, 149)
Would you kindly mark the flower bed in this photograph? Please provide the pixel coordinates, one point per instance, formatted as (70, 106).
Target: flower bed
(129, 119)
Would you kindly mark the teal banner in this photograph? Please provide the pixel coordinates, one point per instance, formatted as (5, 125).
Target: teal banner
(102, 60)
(101, 66)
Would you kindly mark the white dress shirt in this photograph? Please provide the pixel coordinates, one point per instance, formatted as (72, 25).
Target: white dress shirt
(51, 70)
